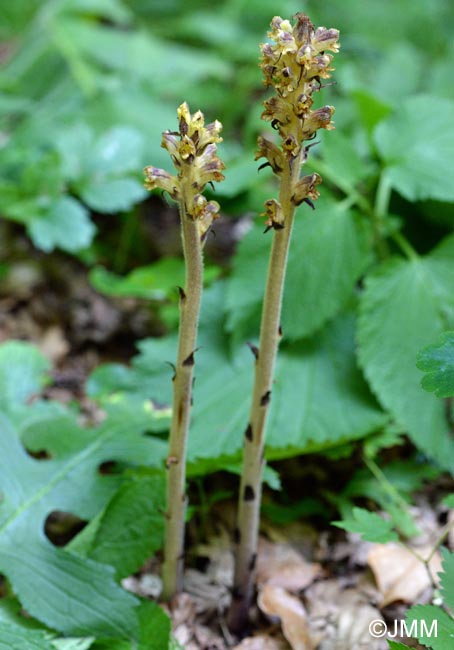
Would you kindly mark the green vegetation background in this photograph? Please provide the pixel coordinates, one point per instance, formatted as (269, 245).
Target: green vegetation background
(86, 88)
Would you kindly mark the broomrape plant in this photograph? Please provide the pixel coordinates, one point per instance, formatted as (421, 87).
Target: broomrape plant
(294, 65)
(194, 155)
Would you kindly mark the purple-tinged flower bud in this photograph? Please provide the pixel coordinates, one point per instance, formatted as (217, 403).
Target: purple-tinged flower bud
(209, 135)
(171, 142)
(326, 39)
(155, 177)
(319, 119)
(303, 29)
(274, 216)
(205, 212)
(319, 66)
(291, 146)
(277, 109)
(306, 189)
(271, 152)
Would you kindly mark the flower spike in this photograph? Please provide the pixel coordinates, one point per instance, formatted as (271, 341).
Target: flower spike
(194, 155)
(294, 64)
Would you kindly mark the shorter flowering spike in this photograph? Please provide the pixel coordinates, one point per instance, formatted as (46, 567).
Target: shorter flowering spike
(193, 153)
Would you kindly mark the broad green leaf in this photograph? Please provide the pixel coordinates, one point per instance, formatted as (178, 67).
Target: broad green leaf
(154, 632)
(101, 168)
(132, 525)
(114, 10)
(64, 225)
(13, 637)
(434, 626)
(319, 397)
(73, 643)
(438, 362)
(447, 578)
(403, 308)
(154, 627)
(22, 372)
(117, 151)
(112, 194)
(325, 260)
(153, 282)
(68, 481)
(419, 167)
(394, 645)
(344, 164)
(371, 109)
(369, 525)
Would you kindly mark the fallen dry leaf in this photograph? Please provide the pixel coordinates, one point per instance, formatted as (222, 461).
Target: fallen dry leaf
(282, 566)
(340, 618)
(53, 343)
(276, 601)
(399, 574)
(261, 642)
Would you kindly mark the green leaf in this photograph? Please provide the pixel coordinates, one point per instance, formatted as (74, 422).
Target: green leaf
(327, 250)
(64, 225)
(154, 631)
(371, 109)
(154, 627)
(319, 397)
(447, 578)
(439, 637)
(73, 643)
(132, 525)
(403, 308)
(22, 370)
(345, 166)
(419, 167)
(369, 525)
(13, 637)
(117, 151)
(68, 481)
(394, 645)
(153, 282)
(438, 362)
(112, 194)
(100, 168)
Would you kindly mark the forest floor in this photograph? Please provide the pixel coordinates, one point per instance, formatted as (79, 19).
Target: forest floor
(318, 587)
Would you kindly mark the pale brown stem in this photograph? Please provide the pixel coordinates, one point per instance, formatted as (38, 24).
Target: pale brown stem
(190, 300)
(246, 533)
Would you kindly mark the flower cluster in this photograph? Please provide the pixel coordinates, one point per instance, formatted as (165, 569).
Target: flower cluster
(295, 64)
(194, 155)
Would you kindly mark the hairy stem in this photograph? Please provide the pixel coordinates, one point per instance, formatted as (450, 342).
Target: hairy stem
(246, 533)
(190, 300)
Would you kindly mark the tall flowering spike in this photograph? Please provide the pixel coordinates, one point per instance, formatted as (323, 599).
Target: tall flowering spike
(294, 64)
(194, 155)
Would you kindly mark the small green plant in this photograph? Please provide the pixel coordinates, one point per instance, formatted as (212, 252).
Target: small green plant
(193, 153)
(294, 65)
